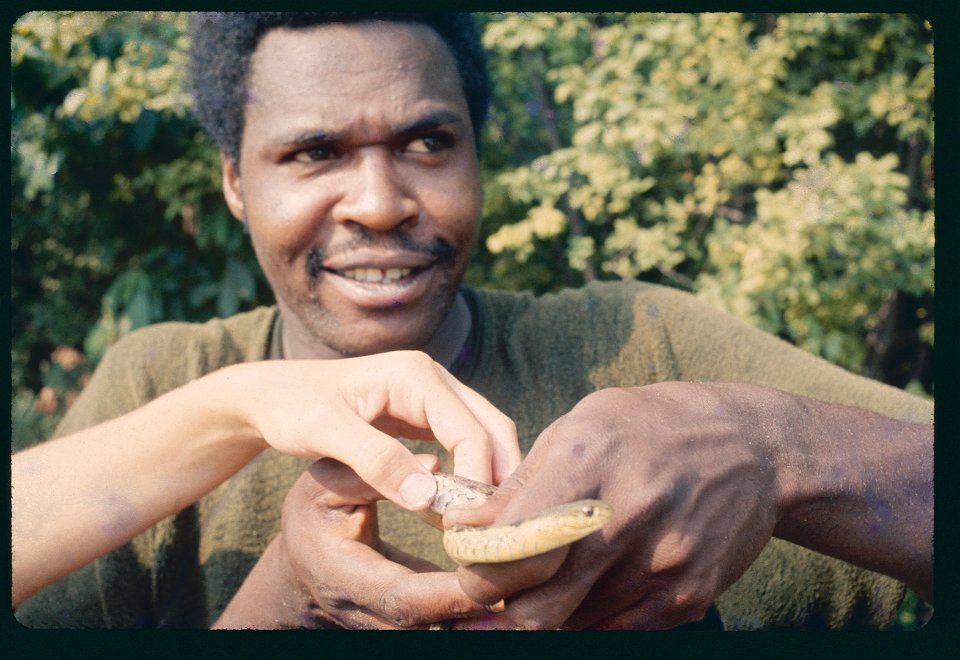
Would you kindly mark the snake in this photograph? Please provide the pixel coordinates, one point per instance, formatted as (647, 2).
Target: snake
(550, 529)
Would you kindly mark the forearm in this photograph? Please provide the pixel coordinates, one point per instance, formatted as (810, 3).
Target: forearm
(78, 497)
(859, 487)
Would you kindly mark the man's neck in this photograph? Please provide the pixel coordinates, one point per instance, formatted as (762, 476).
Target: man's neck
(448, 341)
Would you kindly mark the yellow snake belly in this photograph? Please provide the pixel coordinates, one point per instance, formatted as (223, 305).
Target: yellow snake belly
(550, 529)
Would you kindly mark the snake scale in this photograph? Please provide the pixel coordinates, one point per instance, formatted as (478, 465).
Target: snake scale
(550, 529)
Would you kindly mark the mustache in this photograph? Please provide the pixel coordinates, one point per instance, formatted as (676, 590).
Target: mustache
(439, 249)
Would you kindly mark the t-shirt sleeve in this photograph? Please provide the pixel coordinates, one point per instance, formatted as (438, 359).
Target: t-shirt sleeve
(713, 346)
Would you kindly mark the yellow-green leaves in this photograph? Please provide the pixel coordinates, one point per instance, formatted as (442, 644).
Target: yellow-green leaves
(117, 218)
(777, 165)
(823, 255)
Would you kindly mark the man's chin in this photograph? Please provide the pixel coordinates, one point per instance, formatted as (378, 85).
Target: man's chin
(373, 342)
(330, 331)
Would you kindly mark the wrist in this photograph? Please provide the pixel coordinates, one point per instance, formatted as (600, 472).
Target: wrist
(776, 434)
(796, 463)
(819, 464)
(840, 496)
(228, 403)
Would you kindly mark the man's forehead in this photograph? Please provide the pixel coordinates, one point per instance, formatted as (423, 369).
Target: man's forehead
(370, 77)
(353, 47)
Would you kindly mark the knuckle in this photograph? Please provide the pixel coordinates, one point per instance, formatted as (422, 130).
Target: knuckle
(418, 360)
(690, 604)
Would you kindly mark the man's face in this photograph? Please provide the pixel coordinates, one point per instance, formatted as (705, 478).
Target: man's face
(359, 180)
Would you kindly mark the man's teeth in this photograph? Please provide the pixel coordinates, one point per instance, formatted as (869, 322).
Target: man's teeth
(376, 275)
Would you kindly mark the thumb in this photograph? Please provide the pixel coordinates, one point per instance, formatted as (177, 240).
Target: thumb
(338, 485)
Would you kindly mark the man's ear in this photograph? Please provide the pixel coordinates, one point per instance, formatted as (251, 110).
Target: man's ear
(231, 186)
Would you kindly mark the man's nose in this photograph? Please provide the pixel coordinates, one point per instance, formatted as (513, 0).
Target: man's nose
(375, 194)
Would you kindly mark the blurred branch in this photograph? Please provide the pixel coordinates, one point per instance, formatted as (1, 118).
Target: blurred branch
(548, 117)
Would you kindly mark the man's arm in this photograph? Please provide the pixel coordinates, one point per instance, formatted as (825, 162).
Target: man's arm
(859, 487)
(700, 477)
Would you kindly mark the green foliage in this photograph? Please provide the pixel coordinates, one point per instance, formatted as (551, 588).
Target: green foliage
(778, 166)
(117, 220)
(823, 255)
(34, 415)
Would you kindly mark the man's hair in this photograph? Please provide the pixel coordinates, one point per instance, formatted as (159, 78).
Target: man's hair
(221, 45)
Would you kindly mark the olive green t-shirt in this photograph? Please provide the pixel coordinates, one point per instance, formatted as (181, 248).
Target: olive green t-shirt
(534, 358)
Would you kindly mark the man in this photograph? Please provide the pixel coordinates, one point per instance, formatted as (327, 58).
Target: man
(349, 150)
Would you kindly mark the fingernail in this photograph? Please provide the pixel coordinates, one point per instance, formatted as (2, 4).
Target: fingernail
(418, 489)
(497, 607)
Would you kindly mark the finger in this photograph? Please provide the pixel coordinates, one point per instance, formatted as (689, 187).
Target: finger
(357, 587)
(398, 597)
(384, 464)
(339, 485)
(491, 583)
(419, 392)
(548, 606)
(660, 611)
(506, 455)
(429, 461)
(482, 439)
(627, 596)
(619, 589)
(460, 430)
(413, 562)
(551, 604)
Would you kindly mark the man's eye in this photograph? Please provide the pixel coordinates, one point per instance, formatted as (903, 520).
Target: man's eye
(426, 144)
(314, 155)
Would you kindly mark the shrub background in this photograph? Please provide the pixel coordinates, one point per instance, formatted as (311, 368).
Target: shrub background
(778, 166)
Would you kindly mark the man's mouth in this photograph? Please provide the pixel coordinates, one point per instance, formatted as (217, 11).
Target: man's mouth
(400, 262)
(375, 275)
(379, 286)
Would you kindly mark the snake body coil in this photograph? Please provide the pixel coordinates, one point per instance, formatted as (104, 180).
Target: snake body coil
(553, 528)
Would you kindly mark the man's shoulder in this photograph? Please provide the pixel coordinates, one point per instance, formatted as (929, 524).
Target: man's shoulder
(597, 313)
(591, 298)
(239, 326)
(241, 337)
